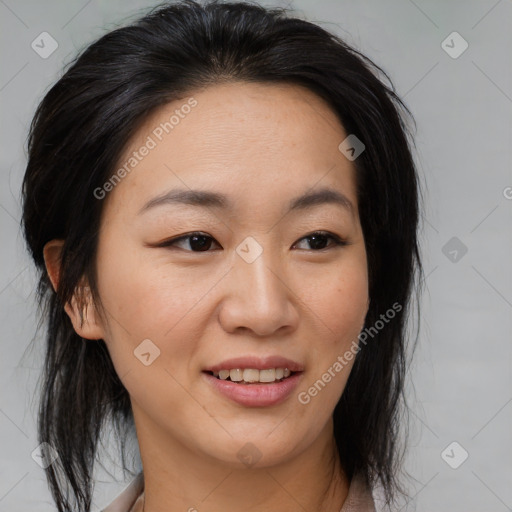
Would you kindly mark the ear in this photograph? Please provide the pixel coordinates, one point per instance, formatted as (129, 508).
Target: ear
(82, 313)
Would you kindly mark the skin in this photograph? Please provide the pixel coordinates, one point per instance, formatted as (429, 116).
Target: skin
(262, 145)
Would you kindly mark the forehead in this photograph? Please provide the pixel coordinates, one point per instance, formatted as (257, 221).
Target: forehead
(249, 139)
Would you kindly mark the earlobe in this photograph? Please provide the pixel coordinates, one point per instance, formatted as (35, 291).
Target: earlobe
(81, 310)
(84, 317)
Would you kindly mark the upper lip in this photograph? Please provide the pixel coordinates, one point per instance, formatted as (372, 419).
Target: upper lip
(257, 363)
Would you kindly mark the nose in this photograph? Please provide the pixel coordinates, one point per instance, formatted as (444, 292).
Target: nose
(258, 298)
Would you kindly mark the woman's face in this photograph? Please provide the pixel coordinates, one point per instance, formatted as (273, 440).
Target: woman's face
(251, 285)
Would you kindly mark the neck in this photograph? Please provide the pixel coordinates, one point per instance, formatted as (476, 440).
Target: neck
(173, 474)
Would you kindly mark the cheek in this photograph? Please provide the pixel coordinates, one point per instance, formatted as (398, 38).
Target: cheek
(348, 304)
(146, 301)
(145, 297)
(339, 308)
(338, 300)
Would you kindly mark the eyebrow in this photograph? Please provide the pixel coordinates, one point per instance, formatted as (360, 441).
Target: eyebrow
(207, 199)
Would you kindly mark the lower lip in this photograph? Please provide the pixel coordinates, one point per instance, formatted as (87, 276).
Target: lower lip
(256, 395)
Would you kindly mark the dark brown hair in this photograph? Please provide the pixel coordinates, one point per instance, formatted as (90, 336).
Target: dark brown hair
(76, 139)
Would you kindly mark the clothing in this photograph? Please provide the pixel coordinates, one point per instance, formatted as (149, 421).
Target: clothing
(359, 497)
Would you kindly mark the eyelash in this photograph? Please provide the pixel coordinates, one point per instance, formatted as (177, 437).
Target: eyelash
(338, 241)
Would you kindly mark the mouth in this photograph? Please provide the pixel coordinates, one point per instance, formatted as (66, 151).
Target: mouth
(254, 381)
(254, 394)
(251, 376)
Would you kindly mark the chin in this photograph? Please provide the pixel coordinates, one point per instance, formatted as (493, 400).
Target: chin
(256, 450)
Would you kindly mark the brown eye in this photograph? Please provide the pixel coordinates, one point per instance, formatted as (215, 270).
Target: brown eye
(200, 242)
(193, 242)
(320, 240)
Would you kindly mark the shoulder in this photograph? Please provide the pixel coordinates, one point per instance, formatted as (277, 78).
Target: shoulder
(126, 501)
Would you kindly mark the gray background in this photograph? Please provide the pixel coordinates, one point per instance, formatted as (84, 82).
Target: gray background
(461, 381)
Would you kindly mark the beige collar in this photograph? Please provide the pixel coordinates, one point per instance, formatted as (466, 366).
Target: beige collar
(359, 498)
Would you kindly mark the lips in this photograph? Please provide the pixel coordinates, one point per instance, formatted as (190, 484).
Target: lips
(255, 394)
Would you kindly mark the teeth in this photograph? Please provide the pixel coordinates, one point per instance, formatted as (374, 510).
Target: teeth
(236, 375)
(250, 375)
(267, 375)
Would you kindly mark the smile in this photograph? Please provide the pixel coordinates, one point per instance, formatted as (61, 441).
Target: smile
(255, 393)
(251, 375)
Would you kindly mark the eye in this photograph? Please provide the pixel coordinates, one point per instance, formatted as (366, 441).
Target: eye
(196, 242)
(200, 242)
(318, 239)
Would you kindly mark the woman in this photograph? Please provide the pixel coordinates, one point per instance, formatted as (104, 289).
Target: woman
(223, 206)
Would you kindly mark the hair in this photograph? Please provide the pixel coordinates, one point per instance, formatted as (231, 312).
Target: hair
(76, 139)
